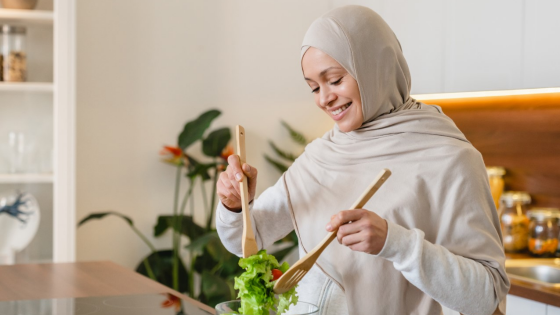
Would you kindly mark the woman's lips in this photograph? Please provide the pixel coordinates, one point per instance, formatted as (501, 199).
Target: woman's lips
(342, 113)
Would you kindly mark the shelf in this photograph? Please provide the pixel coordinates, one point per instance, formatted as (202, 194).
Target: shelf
(26, 16)
(25, 178)
(27, 87)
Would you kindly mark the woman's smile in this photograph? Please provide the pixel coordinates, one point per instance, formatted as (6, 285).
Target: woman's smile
(340, 111)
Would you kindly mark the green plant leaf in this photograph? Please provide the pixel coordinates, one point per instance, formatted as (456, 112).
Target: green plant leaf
(194, 130)
(100, 215)
(162, 266)
(216, 142)
(296, 136)
(278, 165)
(215, 289)
(201, 170)
(198, 245)
(188, 227)
(286, 155)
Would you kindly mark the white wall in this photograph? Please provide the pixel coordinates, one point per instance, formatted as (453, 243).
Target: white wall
(145, 67)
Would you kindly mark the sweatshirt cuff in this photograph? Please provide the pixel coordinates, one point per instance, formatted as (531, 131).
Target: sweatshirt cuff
(230, 218)
(400, 244)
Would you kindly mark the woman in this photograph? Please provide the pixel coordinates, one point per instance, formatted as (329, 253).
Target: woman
(429, 236)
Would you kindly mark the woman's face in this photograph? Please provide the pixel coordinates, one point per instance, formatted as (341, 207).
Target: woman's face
(336, 91)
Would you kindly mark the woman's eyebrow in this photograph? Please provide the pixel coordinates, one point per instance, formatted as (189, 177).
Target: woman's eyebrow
(323, 72)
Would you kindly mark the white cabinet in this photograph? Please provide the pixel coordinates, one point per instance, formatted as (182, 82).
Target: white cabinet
(43, 110)
(552, 310)
(520, 306)
(461, 46)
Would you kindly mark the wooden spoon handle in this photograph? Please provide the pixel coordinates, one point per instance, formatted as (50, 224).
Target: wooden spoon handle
(249, 243)
(364, 198)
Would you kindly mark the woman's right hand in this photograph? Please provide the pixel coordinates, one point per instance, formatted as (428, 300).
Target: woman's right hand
(228, 184)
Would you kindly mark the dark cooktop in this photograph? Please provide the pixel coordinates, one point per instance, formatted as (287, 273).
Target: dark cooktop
(148, 304)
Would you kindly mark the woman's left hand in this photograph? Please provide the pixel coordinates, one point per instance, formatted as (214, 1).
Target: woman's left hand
(360, 230)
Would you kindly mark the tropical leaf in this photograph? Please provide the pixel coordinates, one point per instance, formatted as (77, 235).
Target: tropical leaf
(296, 136)
(211, 242)
(194, 130)
(100, 215)
(286, 155)
(188, 227)
(278, 165)
(161, 263)
(216, 142)
(215, 289)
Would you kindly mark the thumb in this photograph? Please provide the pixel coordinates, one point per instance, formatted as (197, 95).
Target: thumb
(249, 171)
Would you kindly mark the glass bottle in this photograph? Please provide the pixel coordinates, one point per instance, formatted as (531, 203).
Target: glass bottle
(496, 179)
(514, 221)
(543, 231)
(14, 57)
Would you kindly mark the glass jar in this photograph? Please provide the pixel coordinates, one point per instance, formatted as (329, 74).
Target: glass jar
(496, 179)
(14, 58)
(543, 231)
(514, 221)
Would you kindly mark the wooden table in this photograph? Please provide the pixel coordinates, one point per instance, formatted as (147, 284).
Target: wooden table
(72, 280)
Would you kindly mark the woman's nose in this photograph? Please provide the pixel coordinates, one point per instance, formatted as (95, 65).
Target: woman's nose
(326, 97)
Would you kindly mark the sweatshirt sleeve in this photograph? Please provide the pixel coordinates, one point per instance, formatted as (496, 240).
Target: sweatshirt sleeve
(270, 218)
(457, 282)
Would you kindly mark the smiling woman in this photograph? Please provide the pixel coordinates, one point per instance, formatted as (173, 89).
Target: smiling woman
(336, 91)
(429, 237)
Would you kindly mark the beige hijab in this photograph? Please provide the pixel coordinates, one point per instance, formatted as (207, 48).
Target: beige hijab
(439, 183)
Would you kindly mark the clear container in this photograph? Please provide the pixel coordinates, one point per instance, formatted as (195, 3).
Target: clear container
(301, 308)
(514, 221)
(543, 231)
(14, 57)
(496, 179)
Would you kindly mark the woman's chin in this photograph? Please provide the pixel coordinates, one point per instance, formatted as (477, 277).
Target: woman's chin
(346, 127)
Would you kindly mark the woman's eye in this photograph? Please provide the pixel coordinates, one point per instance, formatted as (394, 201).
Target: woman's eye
(315, 90)
(336, 82)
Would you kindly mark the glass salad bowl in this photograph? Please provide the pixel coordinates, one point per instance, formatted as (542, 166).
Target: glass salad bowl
(301, 308)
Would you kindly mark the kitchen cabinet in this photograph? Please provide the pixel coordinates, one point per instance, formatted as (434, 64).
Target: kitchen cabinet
(552, 310)
(43, 110)
(458, 46)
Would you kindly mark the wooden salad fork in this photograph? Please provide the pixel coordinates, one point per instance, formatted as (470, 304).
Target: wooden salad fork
(249, 243)
(293, 275)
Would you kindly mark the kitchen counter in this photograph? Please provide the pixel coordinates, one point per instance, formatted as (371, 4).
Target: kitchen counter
(529, 290)
(74, 280)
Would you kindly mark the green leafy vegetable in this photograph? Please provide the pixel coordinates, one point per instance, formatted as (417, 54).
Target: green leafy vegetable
(255, 286)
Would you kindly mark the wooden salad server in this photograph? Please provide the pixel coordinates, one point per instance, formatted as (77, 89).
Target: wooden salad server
(249, 242)
(293, 275)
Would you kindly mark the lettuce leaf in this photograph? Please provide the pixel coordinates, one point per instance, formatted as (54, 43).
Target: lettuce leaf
(255, 286)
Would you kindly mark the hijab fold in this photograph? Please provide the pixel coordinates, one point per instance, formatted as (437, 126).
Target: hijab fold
(438, 182)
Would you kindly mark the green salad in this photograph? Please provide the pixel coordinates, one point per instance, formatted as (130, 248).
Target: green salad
(256, 283)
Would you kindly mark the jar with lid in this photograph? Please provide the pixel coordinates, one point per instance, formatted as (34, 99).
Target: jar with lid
(514, 221)
(543, 231)
(14, 58)
(496, 179)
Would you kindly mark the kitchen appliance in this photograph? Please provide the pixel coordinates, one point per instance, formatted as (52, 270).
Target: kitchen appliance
(146, 304)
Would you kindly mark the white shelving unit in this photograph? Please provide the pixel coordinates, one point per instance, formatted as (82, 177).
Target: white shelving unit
(26, 178)
(50, 104)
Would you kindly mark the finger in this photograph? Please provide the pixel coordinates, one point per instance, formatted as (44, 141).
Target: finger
(352, 239)
(344, 217)
(229, 186)
(350, 228)
(249, 171)
(233, 161)
(233, 182)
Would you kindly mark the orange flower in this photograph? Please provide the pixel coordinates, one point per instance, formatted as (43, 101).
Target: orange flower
(171, 301)
(172, 155)
(226, 152)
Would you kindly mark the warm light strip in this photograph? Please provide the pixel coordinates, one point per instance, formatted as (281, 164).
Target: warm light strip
(439, 96)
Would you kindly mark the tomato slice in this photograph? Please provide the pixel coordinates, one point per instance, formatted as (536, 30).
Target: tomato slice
(276, 274)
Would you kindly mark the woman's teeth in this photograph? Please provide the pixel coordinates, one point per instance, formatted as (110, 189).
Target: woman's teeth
(341, 109)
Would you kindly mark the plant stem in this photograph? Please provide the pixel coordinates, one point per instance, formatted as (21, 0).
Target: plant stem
(214, 181)
(191, 276)
(149, 269)
(175, 230)
(144, 238)
(204, 198)
(181, 215)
